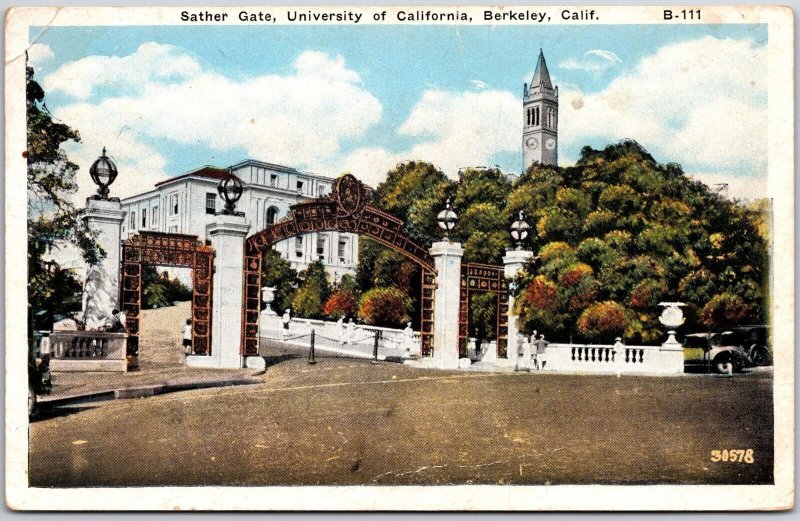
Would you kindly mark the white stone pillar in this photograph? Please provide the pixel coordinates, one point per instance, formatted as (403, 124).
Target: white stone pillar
(447, 260)
(513, 262)
(227, 234)
(101, 291)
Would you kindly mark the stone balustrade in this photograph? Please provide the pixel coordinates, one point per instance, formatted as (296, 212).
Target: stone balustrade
(88, 351)
(620, 358)
(343, 338)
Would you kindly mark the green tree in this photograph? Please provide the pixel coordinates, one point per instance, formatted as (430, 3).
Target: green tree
(314, 290)
(415, 192)
(53, 220)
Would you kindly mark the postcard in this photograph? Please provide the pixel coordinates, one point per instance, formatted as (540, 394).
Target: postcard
(505, 258)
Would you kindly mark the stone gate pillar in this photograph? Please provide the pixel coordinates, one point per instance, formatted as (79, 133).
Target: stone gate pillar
(513, 262)
(227, 234)
(101, 291)
(447, 259)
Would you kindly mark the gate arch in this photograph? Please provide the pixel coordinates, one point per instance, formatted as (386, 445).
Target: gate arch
(345, 209)
(168, 249)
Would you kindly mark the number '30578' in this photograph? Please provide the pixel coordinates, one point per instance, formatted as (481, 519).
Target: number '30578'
(733, 455)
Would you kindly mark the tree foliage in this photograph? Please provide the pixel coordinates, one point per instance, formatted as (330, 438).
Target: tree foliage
(620, 228)
(160, 290)
(313, 292)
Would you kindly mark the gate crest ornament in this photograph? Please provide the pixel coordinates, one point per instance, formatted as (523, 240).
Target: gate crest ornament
(350, 194)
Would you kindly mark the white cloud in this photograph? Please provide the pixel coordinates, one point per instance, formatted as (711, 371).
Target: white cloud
(593, 61)
(39, 54)
(453, 129)
(478, 84)
(297, 119)
(151, 62)
(701, 103)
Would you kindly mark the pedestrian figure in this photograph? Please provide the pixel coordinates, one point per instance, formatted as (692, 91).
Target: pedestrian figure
(532, 348)
(117, 322)
(187, 337)
(351, 330)
(287, 317)
(520, 352)
(541, 352)
(342, 330)
(409, 339)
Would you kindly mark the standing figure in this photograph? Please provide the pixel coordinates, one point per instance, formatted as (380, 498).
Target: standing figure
(532, 347)
(287, 317)
(187, 337)
(541, 352)
(117, 322)
(342, 330)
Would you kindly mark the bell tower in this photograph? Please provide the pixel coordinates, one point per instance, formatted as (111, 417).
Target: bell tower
(540, 118)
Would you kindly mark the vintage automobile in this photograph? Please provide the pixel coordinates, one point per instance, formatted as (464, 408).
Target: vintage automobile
(732, 350)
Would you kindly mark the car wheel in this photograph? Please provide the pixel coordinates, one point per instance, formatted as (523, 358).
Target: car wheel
(31, 402)
(725, 366)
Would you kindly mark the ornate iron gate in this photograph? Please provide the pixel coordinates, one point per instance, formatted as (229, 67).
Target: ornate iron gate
(168, 249)
(345, 209)
(483, 278)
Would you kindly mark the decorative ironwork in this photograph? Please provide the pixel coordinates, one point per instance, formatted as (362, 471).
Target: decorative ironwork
(346, 209)
(483, 278)
(168, 249)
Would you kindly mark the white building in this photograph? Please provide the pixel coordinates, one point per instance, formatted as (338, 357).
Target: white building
(187, 203)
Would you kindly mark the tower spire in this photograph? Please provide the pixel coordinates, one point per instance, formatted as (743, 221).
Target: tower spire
(541, 76)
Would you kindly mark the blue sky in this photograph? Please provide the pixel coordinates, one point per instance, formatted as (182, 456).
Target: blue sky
(167, 99)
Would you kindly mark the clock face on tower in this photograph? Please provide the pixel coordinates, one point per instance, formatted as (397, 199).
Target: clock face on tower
(532, 142)
(550, 144)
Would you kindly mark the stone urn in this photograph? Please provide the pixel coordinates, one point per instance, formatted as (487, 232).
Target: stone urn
(672, 318)
(268, 296)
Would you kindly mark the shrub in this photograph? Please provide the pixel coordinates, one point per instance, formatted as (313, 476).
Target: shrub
(341, 304)
(388, 307)
(604, 320)
(307, 302)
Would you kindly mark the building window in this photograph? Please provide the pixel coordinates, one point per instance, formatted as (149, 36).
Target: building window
(299, 186)
(173, 203)
(273, 180)
(173, 228)
(343, 250)
(320, 190)
(298, 246)
(144, 218)
(211, 203)
(272, 215)
(132, 222)
(321, 243)
(154, 218)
